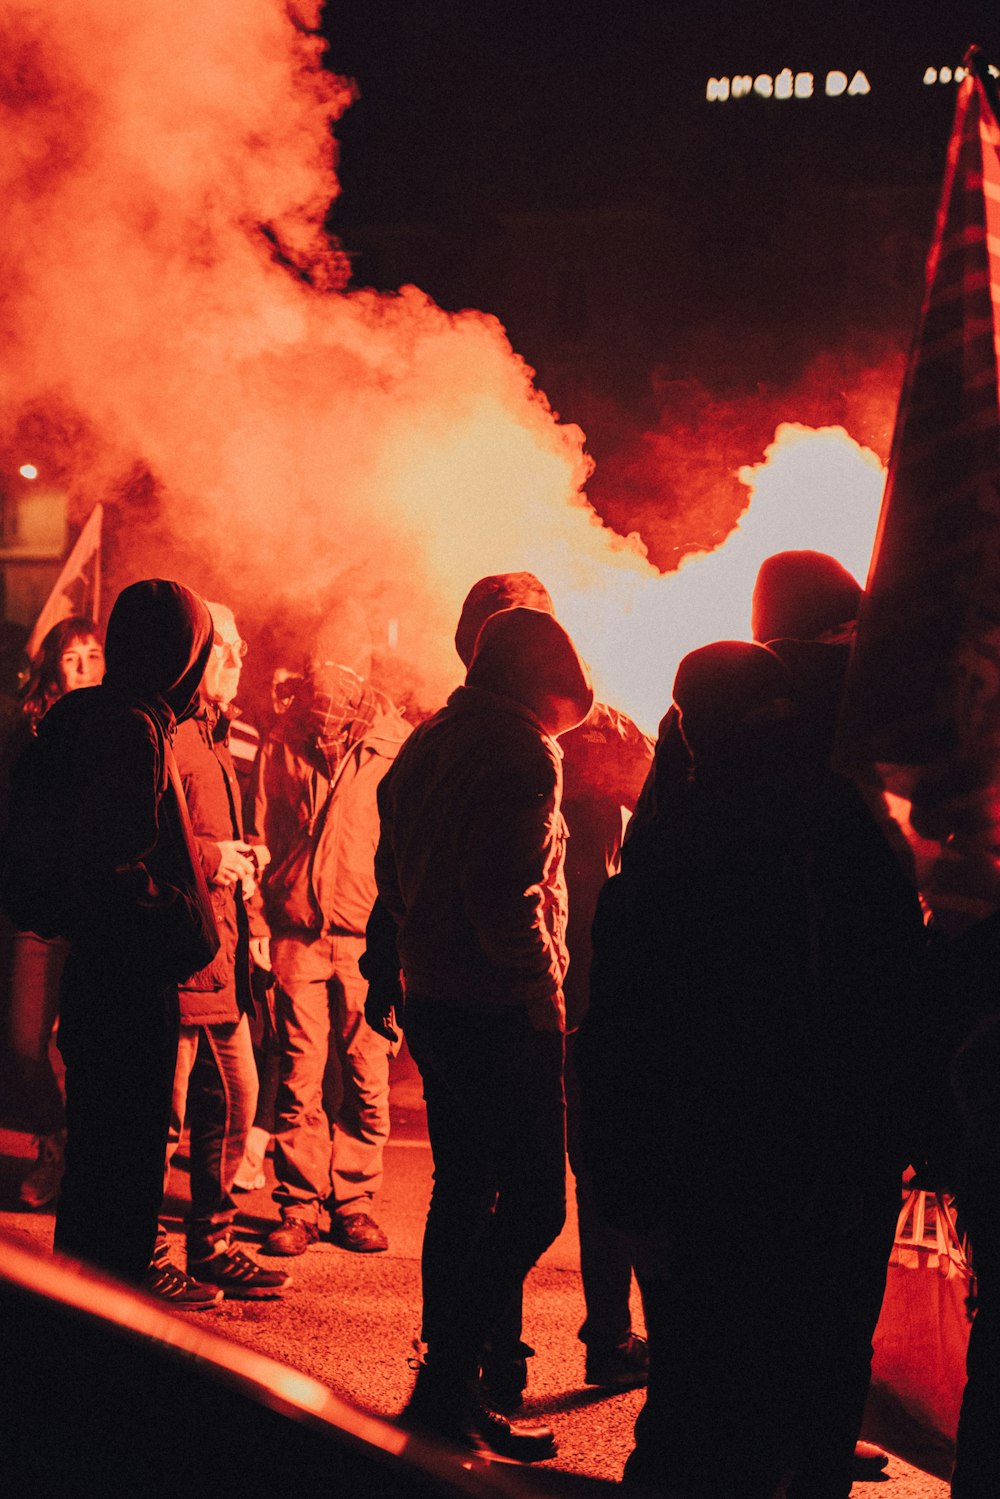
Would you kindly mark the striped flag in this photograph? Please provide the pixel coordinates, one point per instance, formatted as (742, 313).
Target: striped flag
(77, 590)
(921, 714)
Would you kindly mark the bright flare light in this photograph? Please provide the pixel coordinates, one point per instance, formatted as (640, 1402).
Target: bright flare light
(28, 471)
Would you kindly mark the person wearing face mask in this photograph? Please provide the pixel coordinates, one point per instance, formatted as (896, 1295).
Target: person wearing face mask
(215, 1082)
(70, 656)
(316, 811)
(111, 865)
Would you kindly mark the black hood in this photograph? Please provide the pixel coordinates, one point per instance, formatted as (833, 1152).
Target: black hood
(489, 596)
(802, 596)
(526, 655)
(158, 641)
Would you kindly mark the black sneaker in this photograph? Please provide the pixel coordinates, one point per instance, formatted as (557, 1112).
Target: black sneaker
(477, 1429)
(185, 1294)
(238, 1276)
(624, 1367)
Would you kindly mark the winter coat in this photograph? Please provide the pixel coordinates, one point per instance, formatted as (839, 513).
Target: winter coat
(135, 897)
(220, 992)
(750, 1001)
(472, 845)
(322, 832)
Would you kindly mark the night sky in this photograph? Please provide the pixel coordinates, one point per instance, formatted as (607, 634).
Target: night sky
(559, 165)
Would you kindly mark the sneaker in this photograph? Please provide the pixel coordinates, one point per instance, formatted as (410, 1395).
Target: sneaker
(249, 1181)
(292, 1236)
(250, 1176)
(237, 1275)
(473, 1427)
(42, 1183)
(624, 1367)
(868, 1461)
(185, 1294)
(358, 1232)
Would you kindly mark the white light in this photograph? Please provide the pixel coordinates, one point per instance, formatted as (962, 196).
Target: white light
(783, 84)
(836, 83)
(803, 85)
(28, 471)
(945, 75)
(763, 85)
(718, 88)
(859, 84)
(742, 85)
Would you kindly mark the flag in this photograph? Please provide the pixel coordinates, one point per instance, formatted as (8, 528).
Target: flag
(921, 714)
(77, 589)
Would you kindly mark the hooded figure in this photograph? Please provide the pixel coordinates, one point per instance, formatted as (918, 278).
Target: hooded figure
(470, 866)
(743, 1062)
(605, 762)
(804, 606)
(136, 910)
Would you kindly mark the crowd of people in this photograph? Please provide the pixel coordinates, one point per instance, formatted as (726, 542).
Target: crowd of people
(718, 1013)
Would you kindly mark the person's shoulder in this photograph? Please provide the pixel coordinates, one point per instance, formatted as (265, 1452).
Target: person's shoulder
(388, 731)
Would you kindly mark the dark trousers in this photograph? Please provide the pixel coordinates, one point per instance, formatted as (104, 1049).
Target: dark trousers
(605, 1253)
(119, 1042)
(760, 1330)
(496, 1120)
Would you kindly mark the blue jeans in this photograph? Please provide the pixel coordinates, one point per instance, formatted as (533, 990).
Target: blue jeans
(496, 1118)
(320, 1004)
(215, 1086)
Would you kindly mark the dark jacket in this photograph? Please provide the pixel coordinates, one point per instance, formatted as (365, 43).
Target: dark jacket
(751, 994)
(136, 897)
(470, 858)
(322, 832)
(220, 992)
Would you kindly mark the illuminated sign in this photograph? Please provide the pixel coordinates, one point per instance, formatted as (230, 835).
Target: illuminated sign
(834, 84)
(786, 85)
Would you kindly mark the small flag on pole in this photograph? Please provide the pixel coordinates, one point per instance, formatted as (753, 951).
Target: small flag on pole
(921, 713)
(77, 590)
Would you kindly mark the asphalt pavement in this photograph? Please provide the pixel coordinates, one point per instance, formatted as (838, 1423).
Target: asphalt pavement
(349, 1320)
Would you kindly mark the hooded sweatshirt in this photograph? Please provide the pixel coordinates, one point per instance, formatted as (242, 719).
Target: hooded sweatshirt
(470, 858)
(605, 762)
(136, 898)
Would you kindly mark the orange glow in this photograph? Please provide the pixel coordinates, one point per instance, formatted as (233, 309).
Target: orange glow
(815, 488)
(295, 435)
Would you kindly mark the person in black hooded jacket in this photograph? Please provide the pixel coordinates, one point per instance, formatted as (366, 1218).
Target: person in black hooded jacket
(136, 912)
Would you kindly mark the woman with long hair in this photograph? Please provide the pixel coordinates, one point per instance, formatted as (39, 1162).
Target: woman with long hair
(70, 656)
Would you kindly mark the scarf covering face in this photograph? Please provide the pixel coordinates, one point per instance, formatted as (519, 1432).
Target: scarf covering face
(330, 711)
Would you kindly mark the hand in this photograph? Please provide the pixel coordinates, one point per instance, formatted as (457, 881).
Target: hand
(262, 854)
(235, 862)
(260, 952)
(380, 1013)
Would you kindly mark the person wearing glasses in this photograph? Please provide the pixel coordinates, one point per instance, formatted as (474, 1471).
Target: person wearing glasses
(215, 1081)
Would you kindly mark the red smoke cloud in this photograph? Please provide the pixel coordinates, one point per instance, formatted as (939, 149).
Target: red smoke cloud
(181, 346)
